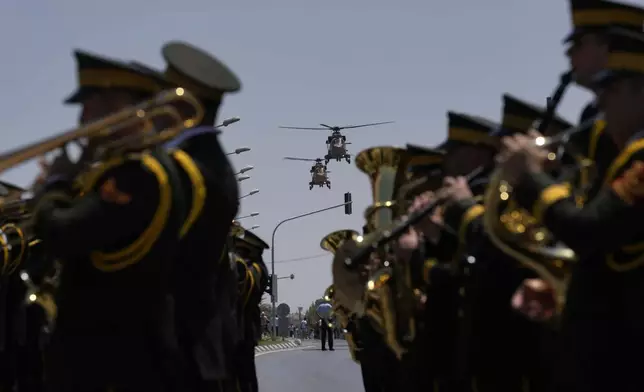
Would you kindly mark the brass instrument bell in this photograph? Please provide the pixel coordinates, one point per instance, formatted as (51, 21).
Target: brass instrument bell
(331, 242)
(381, 164)
(329, 293)
(348, 285)
(385, 168)
(522, 236)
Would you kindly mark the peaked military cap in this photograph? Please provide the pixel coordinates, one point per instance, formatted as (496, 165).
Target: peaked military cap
(424, 160)
(248, 240)
(96, 72)
(236, 230)
(625, 57)
(519, 116)
(469, 130)
(198, 72)
(590, 16)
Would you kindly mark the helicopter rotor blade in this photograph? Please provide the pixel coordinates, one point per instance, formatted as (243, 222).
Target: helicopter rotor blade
(310, 129)
(366, 125)
(327, 126)
(299, 159)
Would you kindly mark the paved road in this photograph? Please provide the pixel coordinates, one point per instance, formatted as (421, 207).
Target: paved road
(309, 369)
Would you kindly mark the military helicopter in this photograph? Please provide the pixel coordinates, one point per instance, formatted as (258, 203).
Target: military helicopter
(336, 143)
(319, 172)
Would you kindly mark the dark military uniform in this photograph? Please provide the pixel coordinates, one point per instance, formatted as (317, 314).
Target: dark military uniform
(592, 17)
(205, 280)
(10, 301)
(35, 323)
(603, 324)
(489, 279)
(425, 365)
(380, 367)
(21, 325)
(326, 332)
(116, 241)
(253, 280)
(352, 335)
(207, 327)
(25, 322)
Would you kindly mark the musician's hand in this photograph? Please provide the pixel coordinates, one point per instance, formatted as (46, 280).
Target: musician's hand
(425, 226)
(62, 167)
(535, 299)
(520, 154)
(406, 244)
(409, 241)
(42, 174)
(457, 188)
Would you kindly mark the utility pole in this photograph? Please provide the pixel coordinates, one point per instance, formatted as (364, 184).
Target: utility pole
(274, 286)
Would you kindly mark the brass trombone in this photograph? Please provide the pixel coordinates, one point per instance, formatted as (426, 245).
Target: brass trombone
(162, 105)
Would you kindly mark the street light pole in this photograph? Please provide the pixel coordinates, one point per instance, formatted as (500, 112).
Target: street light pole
(252, 214)
(227, 122)
(239, 151)
(253, 192)
(273, 312)
(245, 169)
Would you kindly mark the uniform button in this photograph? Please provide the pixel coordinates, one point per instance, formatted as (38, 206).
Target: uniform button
(461, 291)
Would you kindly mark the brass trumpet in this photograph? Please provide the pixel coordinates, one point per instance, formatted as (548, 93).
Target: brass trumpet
(162, 105)
(518, 234)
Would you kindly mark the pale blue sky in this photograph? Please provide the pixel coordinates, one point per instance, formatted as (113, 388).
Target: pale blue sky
(301, 63)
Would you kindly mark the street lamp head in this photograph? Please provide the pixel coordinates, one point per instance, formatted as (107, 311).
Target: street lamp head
(254, 213)
(229, 121)
(254, 192)
(246, 169)
(292, 276)
(242, 178)
(241, 149)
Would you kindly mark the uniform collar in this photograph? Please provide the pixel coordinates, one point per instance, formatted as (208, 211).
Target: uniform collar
(189, 134)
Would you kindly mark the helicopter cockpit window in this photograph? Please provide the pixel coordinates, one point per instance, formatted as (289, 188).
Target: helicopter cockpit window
(320, 170)
(337, 142)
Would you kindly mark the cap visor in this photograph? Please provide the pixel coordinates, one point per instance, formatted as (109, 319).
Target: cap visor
(75, 97)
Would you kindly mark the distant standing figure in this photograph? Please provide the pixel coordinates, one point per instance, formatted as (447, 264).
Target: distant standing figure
(326, 325)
